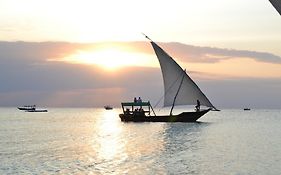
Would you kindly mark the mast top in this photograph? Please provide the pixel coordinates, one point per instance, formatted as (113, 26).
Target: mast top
(147, 37)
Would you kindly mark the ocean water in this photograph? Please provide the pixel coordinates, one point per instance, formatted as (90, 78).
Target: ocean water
(95, 141)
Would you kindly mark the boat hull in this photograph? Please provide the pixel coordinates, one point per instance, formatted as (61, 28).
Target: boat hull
(182, 117)
(37, 110)
(26, 108)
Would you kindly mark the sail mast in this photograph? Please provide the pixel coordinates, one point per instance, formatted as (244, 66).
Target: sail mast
(177, 94)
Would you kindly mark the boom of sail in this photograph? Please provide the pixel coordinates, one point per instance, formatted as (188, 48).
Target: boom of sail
(179, 88)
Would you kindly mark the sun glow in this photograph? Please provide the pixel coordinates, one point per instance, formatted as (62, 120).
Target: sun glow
(111, 58)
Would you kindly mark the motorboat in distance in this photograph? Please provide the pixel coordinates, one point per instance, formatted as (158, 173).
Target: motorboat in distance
(27, 107)
(31, 108)
(107, 107)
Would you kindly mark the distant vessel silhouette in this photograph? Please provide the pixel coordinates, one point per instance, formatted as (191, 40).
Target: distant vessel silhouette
(27, 107)
(107, 107)
(31, 108)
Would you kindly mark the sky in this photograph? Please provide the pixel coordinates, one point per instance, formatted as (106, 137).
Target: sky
(76, 53)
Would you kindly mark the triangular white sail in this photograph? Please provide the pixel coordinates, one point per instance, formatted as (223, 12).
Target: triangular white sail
(176, 79)
(277, 5)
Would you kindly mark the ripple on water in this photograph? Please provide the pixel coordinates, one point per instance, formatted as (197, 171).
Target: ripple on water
(94, 141)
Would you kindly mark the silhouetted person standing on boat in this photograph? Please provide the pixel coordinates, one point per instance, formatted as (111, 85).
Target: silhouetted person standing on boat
(135, 100)
(198, 106)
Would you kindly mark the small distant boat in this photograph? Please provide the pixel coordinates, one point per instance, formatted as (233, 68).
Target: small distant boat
(27, 107)
(107, 107)
(247, 109)
(31, 108)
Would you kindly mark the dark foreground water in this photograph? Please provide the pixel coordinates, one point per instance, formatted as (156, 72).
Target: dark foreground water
(94, 141)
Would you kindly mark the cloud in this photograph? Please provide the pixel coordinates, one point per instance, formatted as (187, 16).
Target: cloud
(189, 53)
(27, 77)
(20, 52)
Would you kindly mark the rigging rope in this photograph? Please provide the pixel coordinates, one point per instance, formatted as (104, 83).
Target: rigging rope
(166, 92)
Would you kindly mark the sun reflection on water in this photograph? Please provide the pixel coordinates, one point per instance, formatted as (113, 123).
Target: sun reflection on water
(117, 145)
(108, 132)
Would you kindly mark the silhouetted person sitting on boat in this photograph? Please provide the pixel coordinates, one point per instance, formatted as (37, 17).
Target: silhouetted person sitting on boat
(135, 100)
(141, 111)
(197, 107)
(136, 111)
(127, 111)
(139, 100)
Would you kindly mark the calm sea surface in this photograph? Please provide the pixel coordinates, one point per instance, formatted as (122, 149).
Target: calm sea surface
(95, 141)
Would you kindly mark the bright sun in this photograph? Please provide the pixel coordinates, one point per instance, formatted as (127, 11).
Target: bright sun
(111, 59)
